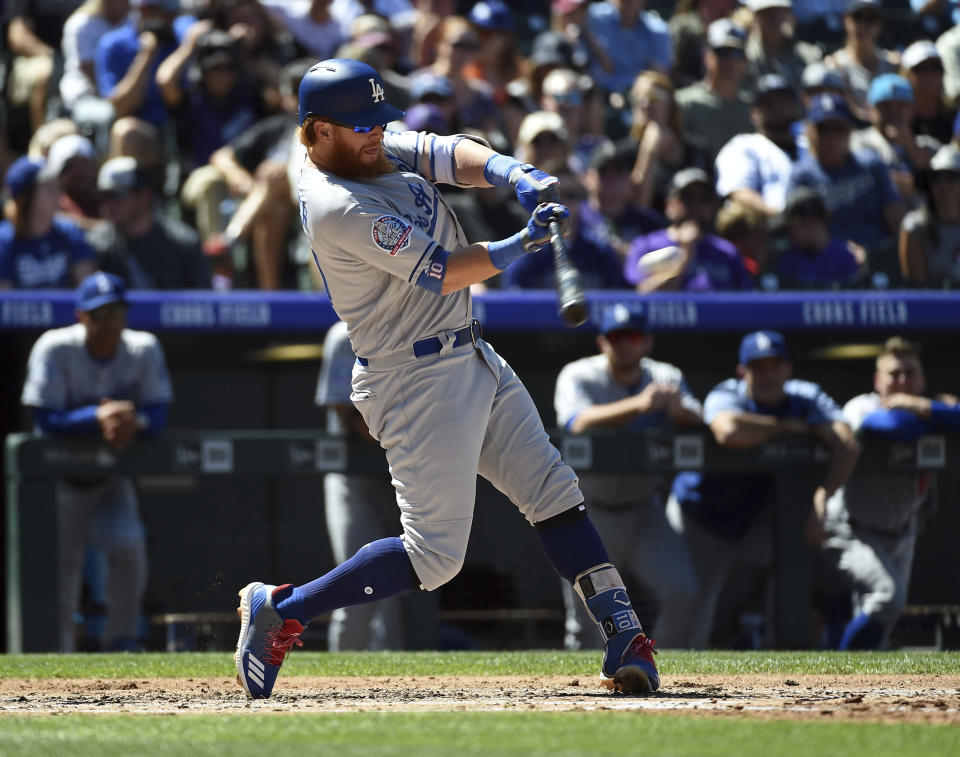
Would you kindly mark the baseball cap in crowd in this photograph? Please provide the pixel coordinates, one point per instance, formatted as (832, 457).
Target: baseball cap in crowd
(889, 88)
(216, 48)
(828, 107)
(607, 155)
(120, 175)
(805, 202)
(947, 158)
(858, 5)
(541, 121)
(818, 75)
(762, 5)
(173, 6)
(724, 33)
(619, 317)
(564, 85)
(687, 177)
(426, 117)
(551, 49)
(761, 344)
(426, 83)
(770, 83)
(920, 52)
(493, 15)
(65, 149)
(24, 173)
(100, 289)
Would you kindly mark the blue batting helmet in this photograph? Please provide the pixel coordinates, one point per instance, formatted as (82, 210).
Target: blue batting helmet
(345, 90)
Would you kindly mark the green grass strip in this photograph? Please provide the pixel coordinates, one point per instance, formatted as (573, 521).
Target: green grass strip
(215, 664)
(522, 734)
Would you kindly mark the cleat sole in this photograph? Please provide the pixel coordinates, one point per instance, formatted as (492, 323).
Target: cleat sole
(628, 680)
(244, 612)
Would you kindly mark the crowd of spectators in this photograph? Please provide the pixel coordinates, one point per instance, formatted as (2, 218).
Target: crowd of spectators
(702, 145)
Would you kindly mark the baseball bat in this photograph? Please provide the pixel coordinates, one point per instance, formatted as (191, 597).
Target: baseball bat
(566, 277)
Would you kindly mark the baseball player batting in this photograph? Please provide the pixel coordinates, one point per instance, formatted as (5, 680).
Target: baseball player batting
(441, 402)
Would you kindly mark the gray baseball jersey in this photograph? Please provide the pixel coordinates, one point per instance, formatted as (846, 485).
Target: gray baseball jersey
(382, 246)
(871, 526)
(627, 509)
(62, 375)
(336, 369)
(587, 382)
(881, 501)
(374, 238)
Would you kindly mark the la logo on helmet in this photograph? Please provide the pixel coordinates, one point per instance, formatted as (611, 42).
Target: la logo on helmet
(377, 90)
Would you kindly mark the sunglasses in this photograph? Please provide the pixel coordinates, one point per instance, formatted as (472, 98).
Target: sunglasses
(466, 44)
(356, 129)
(866, 18)
(832, 128)
(730, 53)
(108, 312)
(945, 176)
(624, 335)
(694, 197)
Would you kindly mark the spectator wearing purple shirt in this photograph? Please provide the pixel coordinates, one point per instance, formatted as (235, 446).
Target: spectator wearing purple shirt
(683, 256)
(611, 217)
(814, 258)
(599, 264)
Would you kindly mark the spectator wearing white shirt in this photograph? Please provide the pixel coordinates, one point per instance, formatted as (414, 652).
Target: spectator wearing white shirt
(81, 32)
(754, 169)
(311, 23)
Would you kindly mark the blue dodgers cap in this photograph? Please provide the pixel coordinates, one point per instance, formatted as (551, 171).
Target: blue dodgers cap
(619, 316)
(427, 83)
(888, 88)
(24, 173)
(492, 14)
(828, 106)
(761, 344)
(100, 289)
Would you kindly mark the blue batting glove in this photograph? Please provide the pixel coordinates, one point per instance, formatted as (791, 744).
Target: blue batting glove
(533, 186)
(538, 231)
(535, 236)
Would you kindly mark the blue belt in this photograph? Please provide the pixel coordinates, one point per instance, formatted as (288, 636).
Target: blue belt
(431, 345)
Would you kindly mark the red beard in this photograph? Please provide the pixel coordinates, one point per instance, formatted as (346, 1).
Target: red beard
(349, 164)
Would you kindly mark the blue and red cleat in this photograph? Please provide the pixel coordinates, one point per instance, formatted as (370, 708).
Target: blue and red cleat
(265, 639)
(635, 672)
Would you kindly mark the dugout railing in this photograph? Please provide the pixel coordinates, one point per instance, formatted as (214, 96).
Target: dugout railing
(33, 463)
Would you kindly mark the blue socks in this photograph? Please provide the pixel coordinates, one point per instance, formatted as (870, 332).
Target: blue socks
(863, 632)
(378, 570)
(571, 543)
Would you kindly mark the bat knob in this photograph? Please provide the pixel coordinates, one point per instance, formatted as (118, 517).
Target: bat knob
(574, 313)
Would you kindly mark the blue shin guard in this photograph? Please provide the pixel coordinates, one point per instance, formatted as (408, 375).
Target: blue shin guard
(628, 653)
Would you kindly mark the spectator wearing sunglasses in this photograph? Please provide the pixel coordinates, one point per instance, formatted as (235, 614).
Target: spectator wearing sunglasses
(856, 187)
(861, 59)
(716, 108)
(923, 67)
(684, 256)
(814, 258)
(930, 235)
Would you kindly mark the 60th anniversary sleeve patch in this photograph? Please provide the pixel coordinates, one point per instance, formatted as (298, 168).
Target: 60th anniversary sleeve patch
(391, 233)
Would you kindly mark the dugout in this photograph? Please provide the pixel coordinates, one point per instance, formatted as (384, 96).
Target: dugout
(249, 360)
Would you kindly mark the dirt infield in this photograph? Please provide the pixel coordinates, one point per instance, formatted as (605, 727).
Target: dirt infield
(915, 698)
